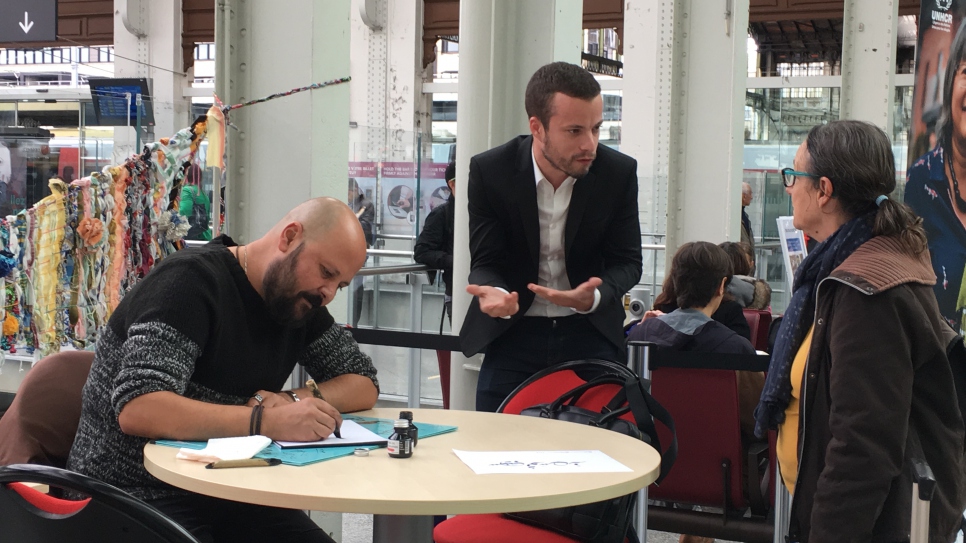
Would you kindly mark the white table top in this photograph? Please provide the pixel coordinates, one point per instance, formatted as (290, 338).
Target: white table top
(434, 481)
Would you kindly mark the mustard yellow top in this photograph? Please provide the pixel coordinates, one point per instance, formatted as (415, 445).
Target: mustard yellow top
(787, 447)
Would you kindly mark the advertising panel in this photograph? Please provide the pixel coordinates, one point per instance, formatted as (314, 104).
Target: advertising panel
(937, 148)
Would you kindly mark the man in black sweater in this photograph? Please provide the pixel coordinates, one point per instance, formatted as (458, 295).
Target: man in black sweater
(210, 334)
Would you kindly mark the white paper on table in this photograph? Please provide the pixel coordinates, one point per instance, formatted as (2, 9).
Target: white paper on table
(352, 433)
(227, 448)
(486, 462)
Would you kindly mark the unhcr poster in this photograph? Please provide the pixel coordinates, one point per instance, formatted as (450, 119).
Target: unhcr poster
(936, 177)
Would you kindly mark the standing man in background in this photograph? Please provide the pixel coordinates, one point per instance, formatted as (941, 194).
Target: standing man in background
(555, 239)
(366, 213)
(747, 234)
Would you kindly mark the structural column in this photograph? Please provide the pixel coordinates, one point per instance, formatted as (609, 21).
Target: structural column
(646, 110)
(869, 61)
(708, 79)
(502, 43)
(283, 152)
(147, 43)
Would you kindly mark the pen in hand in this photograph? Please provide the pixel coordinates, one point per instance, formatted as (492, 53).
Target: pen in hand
(318, 394)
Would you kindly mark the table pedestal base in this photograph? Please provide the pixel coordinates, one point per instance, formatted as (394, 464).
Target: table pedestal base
(402, 528)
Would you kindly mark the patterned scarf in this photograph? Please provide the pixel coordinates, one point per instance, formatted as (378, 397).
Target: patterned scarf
(799, 316)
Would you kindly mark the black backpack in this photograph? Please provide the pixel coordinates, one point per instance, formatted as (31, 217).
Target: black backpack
(198, 218)
(608, 521)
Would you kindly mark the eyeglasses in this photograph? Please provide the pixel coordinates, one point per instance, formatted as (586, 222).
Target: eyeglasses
(789, 175)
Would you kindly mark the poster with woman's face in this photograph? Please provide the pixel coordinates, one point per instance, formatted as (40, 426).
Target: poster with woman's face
(939, 21)
(936, 176)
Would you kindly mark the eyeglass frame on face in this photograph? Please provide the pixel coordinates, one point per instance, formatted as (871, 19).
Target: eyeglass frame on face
(786, 172)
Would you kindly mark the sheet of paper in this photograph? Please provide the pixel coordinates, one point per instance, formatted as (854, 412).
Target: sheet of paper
(486, 462)
(226, 448)
(352, 434)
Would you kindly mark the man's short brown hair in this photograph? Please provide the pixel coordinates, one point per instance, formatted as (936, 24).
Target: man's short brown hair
(555, 77)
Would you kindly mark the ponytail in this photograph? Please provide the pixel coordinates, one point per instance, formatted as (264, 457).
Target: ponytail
(896, 220)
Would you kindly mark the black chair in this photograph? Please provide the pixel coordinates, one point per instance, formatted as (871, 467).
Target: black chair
(109, 515)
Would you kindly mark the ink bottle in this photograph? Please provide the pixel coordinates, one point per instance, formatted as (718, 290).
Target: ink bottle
(401, 442)
(413, 430)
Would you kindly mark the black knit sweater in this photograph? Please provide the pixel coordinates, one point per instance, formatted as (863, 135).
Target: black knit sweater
(194, 326)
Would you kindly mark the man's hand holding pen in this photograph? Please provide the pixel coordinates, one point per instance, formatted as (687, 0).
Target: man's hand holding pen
(309, 419)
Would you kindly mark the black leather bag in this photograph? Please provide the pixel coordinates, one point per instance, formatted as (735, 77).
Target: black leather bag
(607, 521)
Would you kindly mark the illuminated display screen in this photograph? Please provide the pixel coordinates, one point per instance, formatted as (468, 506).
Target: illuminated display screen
(111, 102)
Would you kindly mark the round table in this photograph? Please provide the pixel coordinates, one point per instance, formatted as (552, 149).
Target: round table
(434, 481)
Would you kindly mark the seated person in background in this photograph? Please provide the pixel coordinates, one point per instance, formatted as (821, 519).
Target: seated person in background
(434, 247)
(700, 272)
(164, 369)
(749, 292)
(729, 312)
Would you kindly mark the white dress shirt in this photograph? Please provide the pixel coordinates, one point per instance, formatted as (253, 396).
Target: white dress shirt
(552, 208)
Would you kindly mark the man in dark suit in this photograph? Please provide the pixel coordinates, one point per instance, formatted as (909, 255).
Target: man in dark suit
(555, 239)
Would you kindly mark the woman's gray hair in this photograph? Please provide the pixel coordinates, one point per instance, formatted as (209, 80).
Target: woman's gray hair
(857, 158)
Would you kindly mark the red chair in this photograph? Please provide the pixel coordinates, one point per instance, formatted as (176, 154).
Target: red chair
(108, 515)
(759, 320)
(496, 528)
(712, 464)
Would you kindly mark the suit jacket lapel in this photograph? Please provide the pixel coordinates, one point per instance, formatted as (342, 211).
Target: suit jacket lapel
(526, 197)
(583, 189)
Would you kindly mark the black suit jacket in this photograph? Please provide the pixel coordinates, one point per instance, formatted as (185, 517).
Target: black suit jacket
(602, 237)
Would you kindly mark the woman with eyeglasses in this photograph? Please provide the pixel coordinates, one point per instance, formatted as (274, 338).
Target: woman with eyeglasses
(860, 381)
(934, 190)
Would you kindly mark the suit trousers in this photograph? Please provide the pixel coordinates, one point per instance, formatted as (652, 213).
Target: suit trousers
(534, 344)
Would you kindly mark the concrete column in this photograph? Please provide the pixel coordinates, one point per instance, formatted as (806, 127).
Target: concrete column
(646, 111)
(409, 111)
(171, 109)
(709, 73)
(386, 99)
(294, 148)
(502, 44)
(868, 61)
(148, 35)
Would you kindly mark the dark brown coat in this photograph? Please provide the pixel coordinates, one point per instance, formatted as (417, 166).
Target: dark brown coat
(877, 379)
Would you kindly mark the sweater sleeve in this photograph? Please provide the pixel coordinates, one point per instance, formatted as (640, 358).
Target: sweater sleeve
(154, 358)
(336, 353)
(162, 329)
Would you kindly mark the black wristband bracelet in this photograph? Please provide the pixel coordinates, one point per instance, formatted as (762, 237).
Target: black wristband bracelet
(255, 424)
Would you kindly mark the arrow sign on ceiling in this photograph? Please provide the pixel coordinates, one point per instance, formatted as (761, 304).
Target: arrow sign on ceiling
(25, 21)
(26, 25)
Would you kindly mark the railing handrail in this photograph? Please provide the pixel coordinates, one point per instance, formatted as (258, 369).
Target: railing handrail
(403, 268)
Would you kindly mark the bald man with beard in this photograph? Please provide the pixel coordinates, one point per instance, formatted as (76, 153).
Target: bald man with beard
(209, 334)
